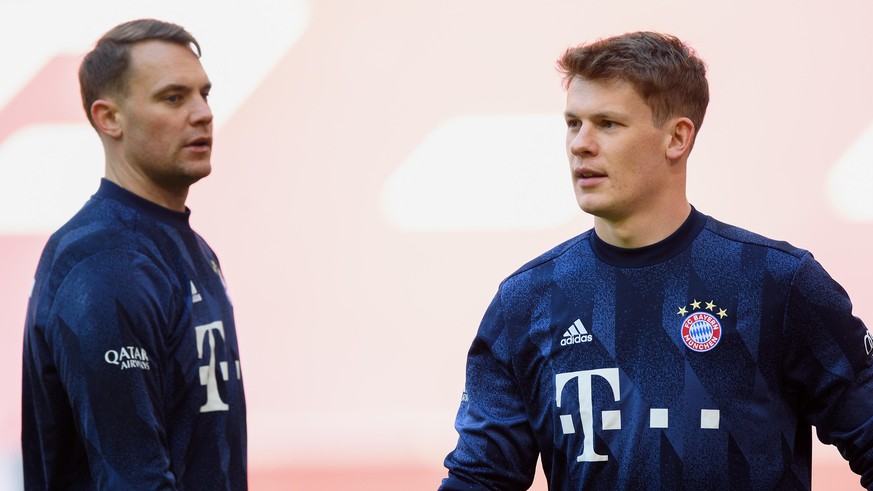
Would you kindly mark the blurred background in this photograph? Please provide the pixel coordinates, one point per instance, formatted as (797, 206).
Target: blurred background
(379, 167)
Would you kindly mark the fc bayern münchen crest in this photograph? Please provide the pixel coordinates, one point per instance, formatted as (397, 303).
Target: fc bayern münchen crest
(701, 331)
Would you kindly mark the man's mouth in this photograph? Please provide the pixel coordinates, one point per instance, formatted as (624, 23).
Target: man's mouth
(584, 173)
(588, 178)
(201, 143)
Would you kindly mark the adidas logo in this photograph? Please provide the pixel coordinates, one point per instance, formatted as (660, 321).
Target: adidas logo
(576, 334)
(195, 296)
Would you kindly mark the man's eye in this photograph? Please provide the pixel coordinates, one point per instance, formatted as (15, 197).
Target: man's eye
(173, 98)
(607, 124)
(572, 123)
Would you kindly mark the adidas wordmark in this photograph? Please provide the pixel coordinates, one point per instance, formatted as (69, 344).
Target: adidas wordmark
(576, 334)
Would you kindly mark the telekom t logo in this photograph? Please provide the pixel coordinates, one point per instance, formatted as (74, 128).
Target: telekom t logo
(611, 419)
(209, 373)
(659, 417)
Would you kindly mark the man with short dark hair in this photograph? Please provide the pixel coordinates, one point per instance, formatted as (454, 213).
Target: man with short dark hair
(131, 376)
(662, 349)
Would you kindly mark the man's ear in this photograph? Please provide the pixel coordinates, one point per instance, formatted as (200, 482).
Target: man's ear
(107, 118)
(681, 138)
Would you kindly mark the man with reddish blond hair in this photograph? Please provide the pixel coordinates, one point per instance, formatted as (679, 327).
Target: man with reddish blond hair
(661, 349)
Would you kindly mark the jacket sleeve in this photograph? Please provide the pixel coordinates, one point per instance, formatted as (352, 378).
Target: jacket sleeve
(106, 333)
(496, 447)
(830, 361)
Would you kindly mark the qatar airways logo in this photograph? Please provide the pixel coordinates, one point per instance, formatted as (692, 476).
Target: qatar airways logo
(128, 357)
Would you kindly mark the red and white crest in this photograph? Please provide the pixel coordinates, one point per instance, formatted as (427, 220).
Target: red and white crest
(701, 331)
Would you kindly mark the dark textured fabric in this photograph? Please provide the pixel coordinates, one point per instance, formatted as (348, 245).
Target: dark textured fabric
(700, 362)
(131, 376)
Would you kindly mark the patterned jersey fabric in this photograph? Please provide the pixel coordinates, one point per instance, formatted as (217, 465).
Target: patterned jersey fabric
(131, 375)
(699, 362)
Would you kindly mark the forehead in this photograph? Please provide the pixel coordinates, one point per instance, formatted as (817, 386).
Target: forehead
(154, 64)
(604, 95)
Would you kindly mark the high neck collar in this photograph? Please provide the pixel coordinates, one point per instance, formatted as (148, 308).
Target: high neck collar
(652, 254)
(110, 190)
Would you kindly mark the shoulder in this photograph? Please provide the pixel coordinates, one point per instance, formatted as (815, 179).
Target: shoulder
(721, 231)
(102, 226)
(106, 283)
(544, 265)
(101, 247)
(743, 236)
(782, 262)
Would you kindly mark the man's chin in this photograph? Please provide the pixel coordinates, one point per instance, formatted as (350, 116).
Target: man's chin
(198, 171)
(590, 207)
(184, 180)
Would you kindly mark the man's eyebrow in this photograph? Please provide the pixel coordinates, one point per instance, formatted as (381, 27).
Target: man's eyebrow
(607, 115)
(173, 88)
(182, 88)
(598, 115)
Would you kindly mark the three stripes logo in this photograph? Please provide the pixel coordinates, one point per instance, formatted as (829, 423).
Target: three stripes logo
(576, 334)
(868, 343)
(195, 295)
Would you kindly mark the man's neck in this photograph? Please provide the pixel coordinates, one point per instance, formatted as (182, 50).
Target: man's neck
(642, 229)
(172, 199)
